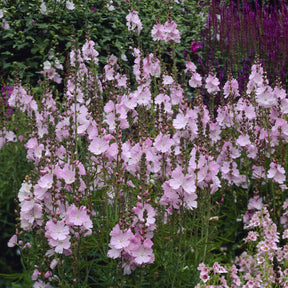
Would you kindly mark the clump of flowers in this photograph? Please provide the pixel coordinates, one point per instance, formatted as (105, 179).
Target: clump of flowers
(262, 265)
(121, 168)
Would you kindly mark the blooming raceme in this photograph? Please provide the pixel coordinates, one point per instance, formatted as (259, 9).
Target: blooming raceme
(133, 22)
(167, 32)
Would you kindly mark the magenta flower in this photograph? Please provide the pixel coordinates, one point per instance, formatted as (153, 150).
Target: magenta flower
(195, 46)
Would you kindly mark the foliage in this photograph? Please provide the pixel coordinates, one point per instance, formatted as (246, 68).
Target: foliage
(34, 32)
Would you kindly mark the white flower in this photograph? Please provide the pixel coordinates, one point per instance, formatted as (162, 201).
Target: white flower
(47, 65)
(110, 7)
(167, 80)
(43, 7)
(70, 5)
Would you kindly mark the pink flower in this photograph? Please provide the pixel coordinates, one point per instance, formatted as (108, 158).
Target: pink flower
(190, 67)
(171, 33)
(60, 245)
(195, 80)
(231, 87)
(163, 143)
(180, 121)
(78, 217)
(143, 255)
(41, 284)
(88, 51)
(120, 239)
(56, 231)
(67, 173)
(134, 22)
(265, 97)
(70, 5)
(277, 173)
(168, 32)
(13, 241)
(98, 146)
(157, 32)
(149, 213)
(212, 84)
(46, 181)
(190, 201)
(167, 80)
(243, 140)
(255, 203)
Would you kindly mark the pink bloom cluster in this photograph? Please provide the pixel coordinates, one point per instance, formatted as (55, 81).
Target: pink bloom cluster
(113, 143)
(134, 245)
(267, 264)
(167, 32)
(133, 22)
(49, 70)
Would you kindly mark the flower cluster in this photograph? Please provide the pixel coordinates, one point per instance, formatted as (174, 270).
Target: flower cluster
(112, 144)
(167, 32)
(265, 266)
(133, 22)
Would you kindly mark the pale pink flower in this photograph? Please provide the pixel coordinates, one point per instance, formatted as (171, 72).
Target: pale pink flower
(180, 121)
(143, 255)
(252, 236)
(190, 67)
(133, 22)
(243, 140)
(231, 87)
(167, 80)
(265, 97)
(255, 203)
(56, 231)
(41, 284)
(163, 143)
(46, 181)
(212, 84)
(195, 80)
(25, 191)
(98, 146)
(171, 33)
(149, 213)
(151, 66)
(67, 173)
(70, 5)
(35, 275)
(189, 183)
(190, 200)
(276, 173)
(53, 264)
(88, 51)
(78, 217)
(157, 32)
(13, 241)
(60, 245)
(120, 239)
